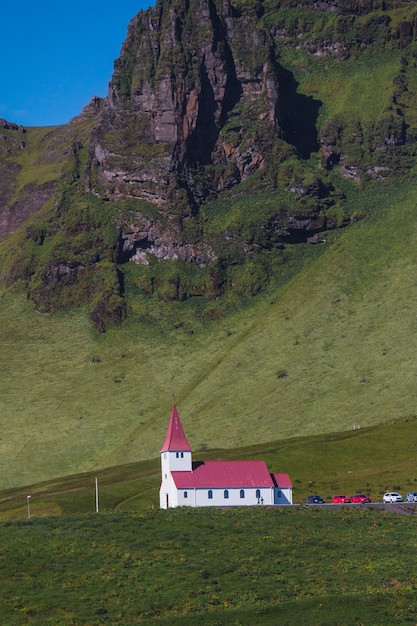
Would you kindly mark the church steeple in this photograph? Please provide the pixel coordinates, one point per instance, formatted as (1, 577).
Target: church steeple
(175, 440)
(175, 457)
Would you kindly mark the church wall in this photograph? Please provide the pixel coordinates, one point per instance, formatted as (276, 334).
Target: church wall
(176, 461)
(168, 495)
(282, 496)
(216, 497)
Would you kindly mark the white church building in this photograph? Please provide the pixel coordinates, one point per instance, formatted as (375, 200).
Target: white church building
(214, 483)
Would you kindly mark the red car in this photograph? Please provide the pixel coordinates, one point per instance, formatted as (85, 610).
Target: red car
(360, 498)
(340, 500)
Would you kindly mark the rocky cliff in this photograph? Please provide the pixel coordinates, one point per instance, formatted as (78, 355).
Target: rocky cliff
(174, 91)
(212, 100)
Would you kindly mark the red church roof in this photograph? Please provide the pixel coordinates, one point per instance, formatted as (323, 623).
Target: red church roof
(282, 480)
(224, 474)
(175, 438)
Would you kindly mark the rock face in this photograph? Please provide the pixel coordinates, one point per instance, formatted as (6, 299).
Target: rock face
(12, 141)
(146, 236)
(174, 91)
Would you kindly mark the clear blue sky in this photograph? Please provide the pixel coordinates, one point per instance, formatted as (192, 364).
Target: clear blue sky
(55, 56)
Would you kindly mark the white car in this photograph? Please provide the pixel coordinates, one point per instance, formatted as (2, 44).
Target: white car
(412, 496)
(392, 496)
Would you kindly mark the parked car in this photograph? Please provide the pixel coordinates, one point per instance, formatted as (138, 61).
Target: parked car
(339, 499)
(360, 498)
(314, 500)
(412, 496)
(392, 496)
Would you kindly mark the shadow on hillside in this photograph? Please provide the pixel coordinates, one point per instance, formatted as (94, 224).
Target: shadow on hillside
(297, 114)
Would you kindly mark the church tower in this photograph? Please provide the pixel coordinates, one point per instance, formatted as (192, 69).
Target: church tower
(175, 457)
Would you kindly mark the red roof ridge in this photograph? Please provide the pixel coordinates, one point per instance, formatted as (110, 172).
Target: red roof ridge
(175, 438)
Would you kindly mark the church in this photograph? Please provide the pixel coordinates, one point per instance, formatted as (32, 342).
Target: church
(214, 483)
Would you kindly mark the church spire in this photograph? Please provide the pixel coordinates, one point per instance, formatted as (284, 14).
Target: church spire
(175, 438)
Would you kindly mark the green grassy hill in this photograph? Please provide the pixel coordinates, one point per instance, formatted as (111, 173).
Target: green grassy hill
(330, 348)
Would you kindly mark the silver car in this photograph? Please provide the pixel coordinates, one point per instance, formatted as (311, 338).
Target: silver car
(412, 496)
(392, 496)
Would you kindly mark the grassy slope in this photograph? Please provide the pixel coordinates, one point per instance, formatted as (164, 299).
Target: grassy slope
(359, 88)
(332, 349)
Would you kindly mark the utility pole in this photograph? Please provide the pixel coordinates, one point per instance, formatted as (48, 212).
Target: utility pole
(96, 496)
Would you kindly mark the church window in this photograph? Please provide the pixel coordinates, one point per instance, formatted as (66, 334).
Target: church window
(226, 493)
(242, 493)
(258, 493)
(182, 455)
(177, 454)
(185, 494)
(210, 494)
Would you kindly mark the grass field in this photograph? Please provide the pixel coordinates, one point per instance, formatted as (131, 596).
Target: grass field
(211, 567)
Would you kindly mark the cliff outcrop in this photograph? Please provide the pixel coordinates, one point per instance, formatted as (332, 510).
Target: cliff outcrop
(176, 106)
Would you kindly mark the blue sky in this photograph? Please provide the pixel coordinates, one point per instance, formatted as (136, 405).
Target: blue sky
(55, 56)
